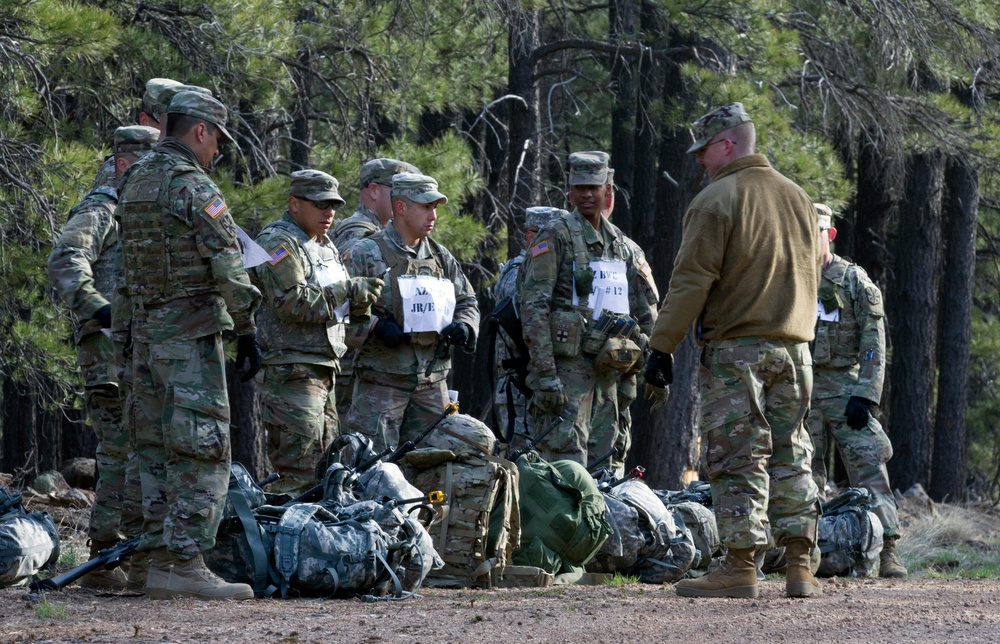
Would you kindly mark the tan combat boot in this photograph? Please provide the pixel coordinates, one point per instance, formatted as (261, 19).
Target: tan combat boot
(158, 573)
(799, 580)
(102, 579)
(736, 577)
(191, 578)
(138, 571)
(889, 564)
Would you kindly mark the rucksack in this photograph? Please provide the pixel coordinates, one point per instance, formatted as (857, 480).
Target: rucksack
(330, 548)
(563, 522)
(479, 527)
(692, 507)
(29, 542)
(850, 535)
(647, 540)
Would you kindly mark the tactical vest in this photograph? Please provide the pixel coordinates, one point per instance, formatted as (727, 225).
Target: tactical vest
(160, 252)
(582, 256)
(838, 343)
(399, 265)
(321, 338)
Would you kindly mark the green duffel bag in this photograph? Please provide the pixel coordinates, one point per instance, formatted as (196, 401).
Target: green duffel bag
(562, 514)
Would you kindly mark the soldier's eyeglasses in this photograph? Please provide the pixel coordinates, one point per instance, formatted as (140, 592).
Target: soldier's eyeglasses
(322, 204)
(708, 145)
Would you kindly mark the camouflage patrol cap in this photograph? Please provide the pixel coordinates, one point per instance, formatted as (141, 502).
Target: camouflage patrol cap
(416, 187)
(167, 95)
(589, 169)
(202, 107)
(135, 139)
(154, 86)
(381, 171)
(824, 215)
(315, 186)
(538, 216)
(718, 120)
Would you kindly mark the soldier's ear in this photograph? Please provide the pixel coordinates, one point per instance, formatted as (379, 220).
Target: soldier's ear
(833, 234)
(569, 197)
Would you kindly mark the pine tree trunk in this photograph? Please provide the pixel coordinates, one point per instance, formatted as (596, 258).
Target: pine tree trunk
(246, 430)
(622, 15)
(912, 313)
(667, 444)
(948, 470)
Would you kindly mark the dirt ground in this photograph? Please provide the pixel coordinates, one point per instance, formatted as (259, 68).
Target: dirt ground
(866, 610)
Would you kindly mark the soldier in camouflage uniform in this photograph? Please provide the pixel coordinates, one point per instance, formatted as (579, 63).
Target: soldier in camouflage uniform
(509, 402)
(185, 278)
(373, 213)
(82, 269)
(747, 272)
(147, 117)
(849, 358)
(308, 297)
(587, 305)
(426, 307)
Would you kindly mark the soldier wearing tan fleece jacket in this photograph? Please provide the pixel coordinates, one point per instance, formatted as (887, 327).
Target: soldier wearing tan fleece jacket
(748, 272)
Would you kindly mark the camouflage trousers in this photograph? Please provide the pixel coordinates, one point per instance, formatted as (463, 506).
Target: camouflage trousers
(344, 388)
(391, 409)
(864, 452)
(299, 414)
(132, 520)
(110, 519)
(182, 437)
(755, 396)
(611, 423)
(570, 438)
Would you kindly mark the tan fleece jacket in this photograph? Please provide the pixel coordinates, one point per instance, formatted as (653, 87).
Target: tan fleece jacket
(749, 261)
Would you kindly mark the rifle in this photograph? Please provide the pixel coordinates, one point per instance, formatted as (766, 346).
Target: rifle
(596, 464)
(109, 558)
(635, 473)
(504, 316)
(440, 352)
(516, 454)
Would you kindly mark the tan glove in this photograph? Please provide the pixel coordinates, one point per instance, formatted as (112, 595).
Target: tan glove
(550, 395)
(658, 396)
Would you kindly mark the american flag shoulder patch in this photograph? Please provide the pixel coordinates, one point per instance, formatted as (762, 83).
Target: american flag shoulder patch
(539, 249)
(278, 255)
(646, 270)
(216, 208)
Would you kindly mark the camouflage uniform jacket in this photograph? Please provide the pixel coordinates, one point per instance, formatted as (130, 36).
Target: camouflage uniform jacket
(183, 267)
(856, 342)
(82, 263)
(106, 174)
(553, 325)
(298, 324)
(363, 223)
(365, 259)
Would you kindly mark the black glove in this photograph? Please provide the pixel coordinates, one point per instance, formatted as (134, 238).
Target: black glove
(390, 332)
(858, 411)
(103, 316)
(659, 369)
(248, 349)
(457, 333)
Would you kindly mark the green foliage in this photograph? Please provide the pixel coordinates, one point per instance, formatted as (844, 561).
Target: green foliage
(620, 580)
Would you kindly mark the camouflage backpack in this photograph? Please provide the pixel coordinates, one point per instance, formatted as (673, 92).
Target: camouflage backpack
(328, 548)
(850, 536)
(692, 507)
(563, 522)
(29, 542)
(480, 524)
(647, 540)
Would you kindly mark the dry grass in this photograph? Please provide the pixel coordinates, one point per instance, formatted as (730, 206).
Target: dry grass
(951, 541)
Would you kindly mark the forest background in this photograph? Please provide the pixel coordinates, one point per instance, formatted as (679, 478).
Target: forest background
(886, 110)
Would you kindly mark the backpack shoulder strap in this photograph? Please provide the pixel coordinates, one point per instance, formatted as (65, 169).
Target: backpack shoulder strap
(286, 541)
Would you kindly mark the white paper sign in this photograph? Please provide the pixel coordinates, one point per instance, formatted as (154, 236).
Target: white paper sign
(610, 288)
(428, 302)
(327, 274)
(824, 316)
(253, 253)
